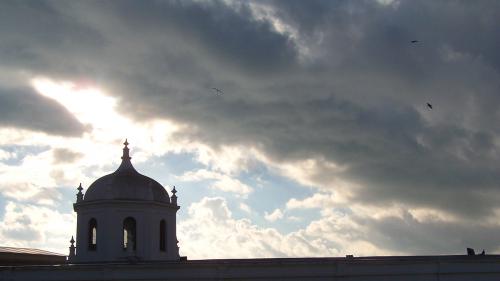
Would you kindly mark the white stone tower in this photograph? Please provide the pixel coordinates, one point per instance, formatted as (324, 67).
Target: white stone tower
(125, 216)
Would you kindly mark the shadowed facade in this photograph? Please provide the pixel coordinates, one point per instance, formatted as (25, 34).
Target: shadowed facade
(125, 216)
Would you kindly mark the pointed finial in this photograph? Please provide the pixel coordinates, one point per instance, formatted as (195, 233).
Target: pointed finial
(72, 249)
(79, 195)
(126, 155)
(174, 197)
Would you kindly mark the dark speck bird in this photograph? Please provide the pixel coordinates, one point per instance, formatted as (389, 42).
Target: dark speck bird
(429, 105)
(218, 91)
(414, 41)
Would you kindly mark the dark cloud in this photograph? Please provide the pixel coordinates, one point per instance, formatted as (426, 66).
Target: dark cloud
(213, 29)
(343, 84)
(39, 39)
(432, 237)
(26, 109)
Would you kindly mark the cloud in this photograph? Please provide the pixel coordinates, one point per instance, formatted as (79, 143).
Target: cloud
(294, 218)
(210, 231)
(334, 88)
(277, 214)
(222, 182)
(27, 225)
(431, 236)
(62, 155)
(318, 200)
(397, 228)
(31, 193)
(6, 155)
(244, 207)
(23, 108)
(231, 185)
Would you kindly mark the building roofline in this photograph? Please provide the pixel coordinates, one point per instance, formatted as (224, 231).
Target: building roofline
(107, 202)
(271, 261)
(27, 251)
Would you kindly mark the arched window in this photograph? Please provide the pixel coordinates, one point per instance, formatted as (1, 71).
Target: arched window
(92, 234)
(129, 234)
(163, 236)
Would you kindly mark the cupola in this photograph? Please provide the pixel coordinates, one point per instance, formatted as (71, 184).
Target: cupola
(125, 216)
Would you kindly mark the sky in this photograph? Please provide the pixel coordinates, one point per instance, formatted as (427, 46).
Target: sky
(322, 143)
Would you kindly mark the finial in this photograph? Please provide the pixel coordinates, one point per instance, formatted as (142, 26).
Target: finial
(126, 155)
(72, 249)
(79, 195)
(174, 197)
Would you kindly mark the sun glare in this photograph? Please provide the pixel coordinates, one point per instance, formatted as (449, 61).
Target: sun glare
(89, 105)
(93, 107)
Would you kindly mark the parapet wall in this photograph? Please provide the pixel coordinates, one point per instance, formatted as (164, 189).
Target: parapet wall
(442, 268)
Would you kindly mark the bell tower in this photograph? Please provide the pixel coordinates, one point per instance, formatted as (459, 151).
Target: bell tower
(125, 216)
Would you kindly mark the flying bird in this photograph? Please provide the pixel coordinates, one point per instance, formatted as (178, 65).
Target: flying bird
(218, 91)
(429, 105)
(414, 41)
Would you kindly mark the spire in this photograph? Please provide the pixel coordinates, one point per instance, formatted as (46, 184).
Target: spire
(79, 195)
(126, 165)
(174, 197)
(126, 155)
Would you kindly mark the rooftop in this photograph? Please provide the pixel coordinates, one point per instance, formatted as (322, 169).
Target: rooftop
(29, 251)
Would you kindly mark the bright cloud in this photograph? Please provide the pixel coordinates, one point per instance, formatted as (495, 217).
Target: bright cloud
(26, 225)
(318, 200)
(211, 232)
(5, 155)
(29, 192)
(222, 182)
(93, 107)
(277, 214)
(244, 207)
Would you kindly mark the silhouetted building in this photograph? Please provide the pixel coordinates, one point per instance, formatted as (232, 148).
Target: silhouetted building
(125, 216)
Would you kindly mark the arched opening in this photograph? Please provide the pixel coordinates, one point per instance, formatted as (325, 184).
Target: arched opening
(163, 236)
(92, 234)
(129, 234)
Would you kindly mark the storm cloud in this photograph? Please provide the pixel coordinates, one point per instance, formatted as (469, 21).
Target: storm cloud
(23, 108)
(337, 81)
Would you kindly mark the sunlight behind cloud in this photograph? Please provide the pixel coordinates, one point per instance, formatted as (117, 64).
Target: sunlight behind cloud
(89, 105)
(41, 171)
(98, 110)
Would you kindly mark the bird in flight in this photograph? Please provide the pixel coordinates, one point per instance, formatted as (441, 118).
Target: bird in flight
(218, 91)
(414, 41)
(429, 105)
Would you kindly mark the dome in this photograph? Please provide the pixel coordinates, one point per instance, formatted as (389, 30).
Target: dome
(126, 184)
